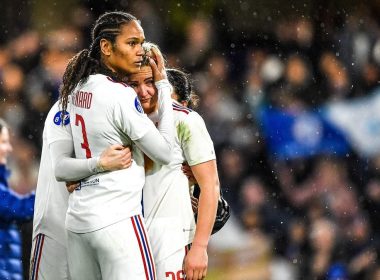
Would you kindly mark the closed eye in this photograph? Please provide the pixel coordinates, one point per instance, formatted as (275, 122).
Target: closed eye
(133, 85)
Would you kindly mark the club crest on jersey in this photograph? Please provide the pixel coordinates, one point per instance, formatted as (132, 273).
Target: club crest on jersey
(58, 118)
(138, 105)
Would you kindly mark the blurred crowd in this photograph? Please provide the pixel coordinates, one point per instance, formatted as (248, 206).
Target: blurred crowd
(301, 218)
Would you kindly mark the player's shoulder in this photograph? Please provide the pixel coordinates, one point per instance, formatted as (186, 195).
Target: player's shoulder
(57, 116)
(185, 114)
(181, 110)
(54, 108)
(103, 81)
(116, 91)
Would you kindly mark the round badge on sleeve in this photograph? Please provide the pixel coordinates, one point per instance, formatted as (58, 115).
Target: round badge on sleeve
(138, 105)
(58, 118)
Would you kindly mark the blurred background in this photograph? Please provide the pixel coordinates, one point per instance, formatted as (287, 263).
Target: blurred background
(290, 94)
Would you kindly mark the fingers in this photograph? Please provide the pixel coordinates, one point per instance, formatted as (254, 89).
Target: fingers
(204, 273)
(71, 186)
(189, 274)
(195, 274)
(125, 161)
(157, 64)
(185, 168)
(127, 158)
(117, 147)
(153, 64)
(116, 157)
(159, 58)
(195, 263)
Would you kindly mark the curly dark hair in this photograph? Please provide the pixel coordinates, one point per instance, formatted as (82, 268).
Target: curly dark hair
(183, 87)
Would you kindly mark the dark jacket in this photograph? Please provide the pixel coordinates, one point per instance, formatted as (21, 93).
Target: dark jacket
(13, 208)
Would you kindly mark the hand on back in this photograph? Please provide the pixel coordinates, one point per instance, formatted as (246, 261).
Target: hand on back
(115, 157)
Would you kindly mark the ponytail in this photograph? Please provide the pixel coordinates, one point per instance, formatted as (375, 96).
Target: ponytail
(79, 68)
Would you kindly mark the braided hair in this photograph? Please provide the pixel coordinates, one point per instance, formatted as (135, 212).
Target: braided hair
(88, 61)
(183, 87)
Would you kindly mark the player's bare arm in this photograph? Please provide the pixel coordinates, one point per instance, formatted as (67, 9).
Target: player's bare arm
(196, 261)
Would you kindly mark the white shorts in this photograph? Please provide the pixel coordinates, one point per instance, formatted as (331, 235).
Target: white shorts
(118, 251)
(171, 268)
(48, 259)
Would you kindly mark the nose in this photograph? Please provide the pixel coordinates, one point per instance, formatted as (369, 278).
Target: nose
(140, 51)
(143, 91)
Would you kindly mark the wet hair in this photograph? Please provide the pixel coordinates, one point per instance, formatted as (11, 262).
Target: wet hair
(147, 47)
(88, 61)
(3, 124)
(183, 87)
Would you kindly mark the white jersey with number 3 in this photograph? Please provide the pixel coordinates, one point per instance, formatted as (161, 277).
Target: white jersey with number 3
(103, 113)
(167, 206)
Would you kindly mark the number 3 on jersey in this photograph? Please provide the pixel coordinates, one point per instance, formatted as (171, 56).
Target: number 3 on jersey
(80, 121)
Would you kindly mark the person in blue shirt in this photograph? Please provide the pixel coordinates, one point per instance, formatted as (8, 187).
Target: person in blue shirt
(14, 208)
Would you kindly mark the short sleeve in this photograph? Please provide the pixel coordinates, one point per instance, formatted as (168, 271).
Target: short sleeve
(129, 116)
(195, 140)
(57, 125)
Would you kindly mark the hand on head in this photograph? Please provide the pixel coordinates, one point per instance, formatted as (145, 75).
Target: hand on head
(157, 62)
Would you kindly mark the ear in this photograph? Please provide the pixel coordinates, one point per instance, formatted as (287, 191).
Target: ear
(105, 47)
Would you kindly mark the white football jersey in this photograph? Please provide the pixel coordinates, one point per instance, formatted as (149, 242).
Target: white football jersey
(50, 205)
(105, 112)
(166, 197)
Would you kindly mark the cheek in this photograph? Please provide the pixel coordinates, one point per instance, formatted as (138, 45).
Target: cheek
(152, 92)
(127, 55)
(121, 53)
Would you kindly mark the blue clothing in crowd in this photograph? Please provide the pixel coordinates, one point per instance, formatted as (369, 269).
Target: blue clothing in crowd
(13, 208)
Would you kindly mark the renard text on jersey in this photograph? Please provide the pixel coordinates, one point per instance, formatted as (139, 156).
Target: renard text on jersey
(82, 99)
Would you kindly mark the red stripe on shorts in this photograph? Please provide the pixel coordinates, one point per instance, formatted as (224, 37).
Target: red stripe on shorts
(140, 246)
(147, 244)
(37, 255)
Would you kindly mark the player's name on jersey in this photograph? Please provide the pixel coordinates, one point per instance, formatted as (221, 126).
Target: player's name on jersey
(82, 99)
